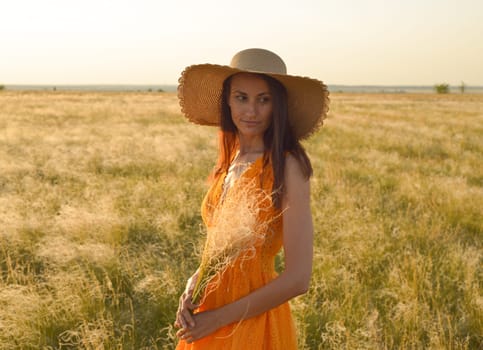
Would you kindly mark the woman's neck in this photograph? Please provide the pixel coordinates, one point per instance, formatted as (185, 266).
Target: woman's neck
(251, 145)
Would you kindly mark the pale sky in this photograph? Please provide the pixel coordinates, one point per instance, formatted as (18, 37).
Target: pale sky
(353, 42)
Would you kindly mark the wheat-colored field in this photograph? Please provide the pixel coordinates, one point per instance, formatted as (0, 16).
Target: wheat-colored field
(100, 222)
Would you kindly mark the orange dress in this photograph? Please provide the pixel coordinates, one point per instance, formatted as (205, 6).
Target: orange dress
(274, 329)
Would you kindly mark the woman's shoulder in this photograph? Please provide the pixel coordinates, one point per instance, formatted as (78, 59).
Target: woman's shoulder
(292, 163)
(296, 175)
(298, 161)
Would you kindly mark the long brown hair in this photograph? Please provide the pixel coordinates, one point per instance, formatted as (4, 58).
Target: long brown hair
(278, 139)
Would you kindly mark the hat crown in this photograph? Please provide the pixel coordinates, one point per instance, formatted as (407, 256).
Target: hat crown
(258, 60)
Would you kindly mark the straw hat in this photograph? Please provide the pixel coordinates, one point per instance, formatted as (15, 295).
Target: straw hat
(200, 88)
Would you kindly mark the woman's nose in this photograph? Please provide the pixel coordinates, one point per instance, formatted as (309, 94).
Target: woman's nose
(251, 109)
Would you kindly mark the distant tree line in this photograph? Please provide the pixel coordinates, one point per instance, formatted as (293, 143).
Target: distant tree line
(443, 88)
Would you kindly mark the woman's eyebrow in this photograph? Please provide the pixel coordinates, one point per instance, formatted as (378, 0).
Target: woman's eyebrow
(244, 93)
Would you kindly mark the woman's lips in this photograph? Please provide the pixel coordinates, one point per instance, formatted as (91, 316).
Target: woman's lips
(251, 122)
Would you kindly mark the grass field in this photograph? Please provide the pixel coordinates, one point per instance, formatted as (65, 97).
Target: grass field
(100, 223)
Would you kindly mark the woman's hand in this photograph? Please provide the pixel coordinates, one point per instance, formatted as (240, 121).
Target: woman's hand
(205, 323)
(184, 317)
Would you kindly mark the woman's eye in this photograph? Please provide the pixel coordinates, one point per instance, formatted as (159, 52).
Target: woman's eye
(264, 99)
(240, 98)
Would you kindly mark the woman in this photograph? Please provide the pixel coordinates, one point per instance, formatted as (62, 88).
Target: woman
(259, 201)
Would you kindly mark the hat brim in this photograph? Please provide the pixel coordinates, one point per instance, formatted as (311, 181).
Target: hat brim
(200, 88)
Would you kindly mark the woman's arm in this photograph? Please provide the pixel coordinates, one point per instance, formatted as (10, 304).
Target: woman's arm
(293, 281)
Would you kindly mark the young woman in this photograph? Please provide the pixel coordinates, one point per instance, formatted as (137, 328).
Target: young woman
(259, 201)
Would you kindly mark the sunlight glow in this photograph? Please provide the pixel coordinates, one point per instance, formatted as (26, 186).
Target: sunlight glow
(150, 42)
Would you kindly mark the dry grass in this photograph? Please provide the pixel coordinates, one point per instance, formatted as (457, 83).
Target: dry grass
(233, 235)
(100, 223)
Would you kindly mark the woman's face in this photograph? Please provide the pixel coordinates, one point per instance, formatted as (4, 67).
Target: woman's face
(250, 102)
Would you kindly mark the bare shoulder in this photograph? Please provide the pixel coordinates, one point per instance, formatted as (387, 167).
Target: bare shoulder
(296, 198)
(293, 170)
(297, 186)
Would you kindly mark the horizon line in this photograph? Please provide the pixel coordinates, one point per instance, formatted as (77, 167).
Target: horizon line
(171, 84)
